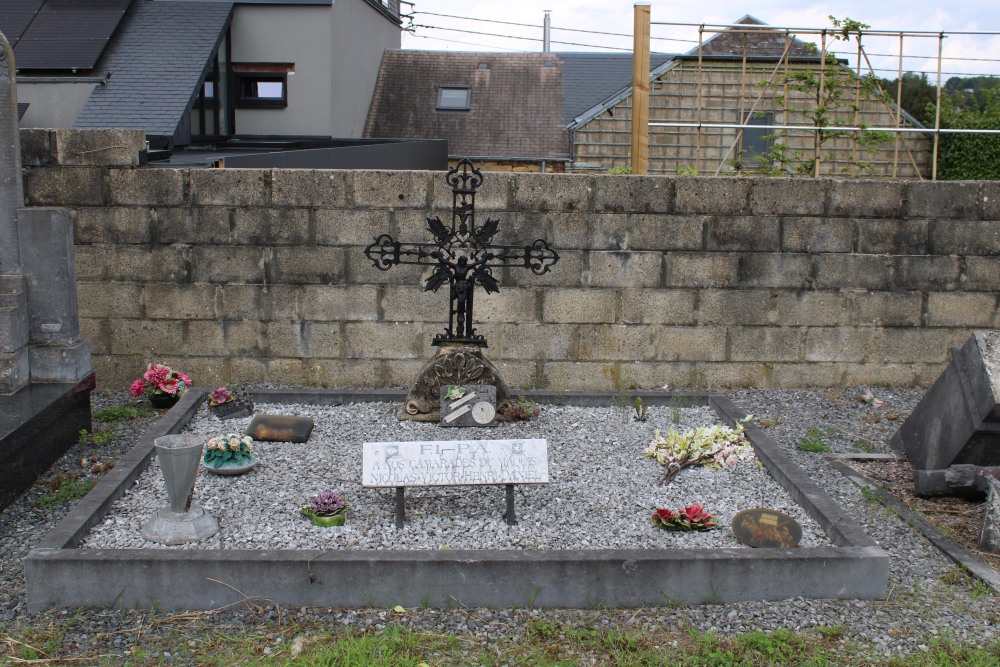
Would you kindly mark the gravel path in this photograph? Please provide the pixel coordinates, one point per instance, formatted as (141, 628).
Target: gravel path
(927, 597)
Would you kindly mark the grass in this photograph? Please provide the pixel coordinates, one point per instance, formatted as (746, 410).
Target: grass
(815, 440)
(62, 489)
(118, 413)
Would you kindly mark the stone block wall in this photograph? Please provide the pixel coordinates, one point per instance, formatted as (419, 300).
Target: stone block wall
(254, 275)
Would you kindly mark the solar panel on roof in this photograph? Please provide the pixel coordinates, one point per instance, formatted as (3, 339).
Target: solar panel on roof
(22, 5)
(13, 24)
(68, 34)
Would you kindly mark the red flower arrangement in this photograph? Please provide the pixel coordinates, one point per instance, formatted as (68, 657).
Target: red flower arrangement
(162, 380)
(692, 517)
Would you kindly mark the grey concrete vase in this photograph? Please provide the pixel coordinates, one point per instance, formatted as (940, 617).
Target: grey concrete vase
(182, 522)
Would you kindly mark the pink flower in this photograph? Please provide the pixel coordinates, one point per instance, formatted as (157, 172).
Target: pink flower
(169, 386)
(220, 396)
(183, 378)
(137, 388)
(156, 373)
(663, 517)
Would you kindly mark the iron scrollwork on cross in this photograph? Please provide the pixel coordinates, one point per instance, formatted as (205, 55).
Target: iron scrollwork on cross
(463, 255)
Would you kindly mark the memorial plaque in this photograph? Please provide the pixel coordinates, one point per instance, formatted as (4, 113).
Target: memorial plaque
(454, 462)
(761, 527)
(280, 428)
(468, 405)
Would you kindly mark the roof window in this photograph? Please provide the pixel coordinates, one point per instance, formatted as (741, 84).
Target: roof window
(454, 98)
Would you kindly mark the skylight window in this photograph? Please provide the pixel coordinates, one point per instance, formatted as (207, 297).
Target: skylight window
(454, 98)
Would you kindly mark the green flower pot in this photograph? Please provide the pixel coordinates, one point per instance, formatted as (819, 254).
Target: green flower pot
(324, 521)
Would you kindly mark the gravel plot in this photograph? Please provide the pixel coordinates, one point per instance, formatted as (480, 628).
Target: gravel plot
(601, 493)
(925, 599)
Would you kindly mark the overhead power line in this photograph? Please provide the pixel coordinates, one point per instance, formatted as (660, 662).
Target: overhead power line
(527, 39)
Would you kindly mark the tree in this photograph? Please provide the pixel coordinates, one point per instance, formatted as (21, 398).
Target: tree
(970, 156)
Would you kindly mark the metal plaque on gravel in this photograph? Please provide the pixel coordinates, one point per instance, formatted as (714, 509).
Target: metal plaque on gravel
(761, 527)
(280, 428)
(468, 405)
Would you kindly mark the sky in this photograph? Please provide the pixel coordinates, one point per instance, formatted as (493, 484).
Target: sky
(964, 55)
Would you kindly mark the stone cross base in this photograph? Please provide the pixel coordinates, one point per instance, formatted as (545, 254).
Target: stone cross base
(453, 364)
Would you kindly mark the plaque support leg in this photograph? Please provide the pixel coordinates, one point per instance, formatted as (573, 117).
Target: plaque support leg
(511, 519)
(400, 506)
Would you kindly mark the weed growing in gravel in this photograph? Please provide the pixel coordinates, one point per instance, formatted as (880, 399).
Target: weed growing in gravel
(117, 413)
(980, 590)
(815, 440)
(863, 445)
(95, 439)
(63, 488)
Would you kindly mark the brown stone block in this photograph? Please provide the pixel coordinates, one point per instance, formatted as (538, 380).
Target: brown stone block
(626, 269)
(100, 147)
(510, 304)
(904, 345)
(196, 225)
(658, 306)
(350, 227)
(753, 234)
(576, 306)
(616, 342)
(230, 187)
(817, 234)
(730, 375)
(150, 339)
(284, 340)
(811, 308)
(271, 226)
(90, 225)
(341, 303)
(308, 264)
(206, 337)
(140, 264)
(852, 271)
(716, 196)
(982, 274)
(633, 194)
(146, 187)
(735, 307)
(850, 344)
(322, 340)
(886, 309)
(91, 262)
(530, 341)
(172, 301)
(894, 237)
(66, 186)
(765, 343)
(569, 231)
(961, 309)
(362, 271)
(118, 371)
(310, 187)
(283, 302)
(241, 302)
(667, 232)
(926, 272)
(568, 272)
(228, 264)
(388, 340)
(690, 343)
(286, 371)
(552, 192)
(788, 270)
(701, 269)
(246, 371)
(884, 375)
(411, 303)
(812, 374)
(244, 338)
(392, 189)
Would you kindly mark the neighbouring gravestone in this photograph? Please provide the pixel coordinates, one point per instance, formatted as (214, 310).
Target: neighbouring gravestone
(454, 463)
(463, 255)
(952, 437)
(767, 528)
(468, 405)
(989, 535)
(45, 371)
(280, 428)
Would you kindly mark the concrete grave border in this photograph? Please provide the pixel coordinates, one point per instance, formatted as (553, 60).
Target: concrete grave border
(58, 574)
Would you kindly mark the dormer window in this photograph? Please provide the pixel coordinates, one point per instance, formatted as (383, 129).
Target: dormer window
(454, 98)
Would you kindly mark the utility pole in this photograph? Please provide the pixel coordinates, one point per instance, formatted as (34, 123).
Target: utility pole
(640, 88)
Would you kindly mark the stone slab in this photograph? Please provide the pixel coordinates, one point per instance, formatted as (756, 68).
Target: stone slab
(468, 405)
(59, 574)
(454, 463)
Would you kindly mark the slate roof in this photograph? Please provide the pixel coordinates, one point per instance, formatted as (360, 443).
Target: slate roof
(759, 43)
(155, 64)
(516, 108)
(591, 78)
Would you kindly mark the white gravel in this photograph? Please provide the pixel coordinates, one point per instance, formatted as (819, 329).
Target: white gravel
(601, 493)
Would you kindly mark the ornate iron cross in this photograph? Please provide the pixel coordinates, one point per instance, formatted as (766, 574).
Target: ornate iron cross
(462, 254)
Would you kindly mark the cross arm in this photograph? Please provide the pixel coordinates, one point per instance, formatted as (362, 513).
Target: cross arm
(386, 252)
(538, 256)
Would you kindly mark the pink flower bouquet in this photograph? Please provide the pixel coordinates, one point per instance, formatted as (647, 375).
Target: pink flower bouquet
(161, 380)
(692, 517)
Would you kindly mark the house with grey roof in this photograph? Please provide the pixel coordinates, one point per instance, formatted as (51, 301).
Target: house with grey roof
(190, 71)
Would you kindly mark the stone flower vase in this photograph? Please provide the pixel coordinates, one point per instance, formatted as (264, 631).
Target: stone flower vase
(182, 522)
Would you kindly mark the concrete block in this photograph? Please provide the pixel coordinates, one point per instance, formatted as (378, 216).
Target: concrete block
(283, 302)
(787, 196)
(633, 194)
(95, 332)
(892, 375)
(787, 270)
(240, 302)
(322, 340)
(141, 264)
(243, 338)
(886, 309)
(580, 375)
(565, 231)
(361, 271)
(850, 344)
(36, 147)
(196, 225)
(989, 200)
(964, 237)
(271, 226)
(67, 363)
(206, 338)
(866, 199)
(658, 306)
(716, 196)
(351, 227)
(810, 308)
(702, 343)
(388, 340)
(90, 224)
(69, 186)
(287, 371)
(310, 187)
(348, 303)
(892, 237)
(811, 374)
(103, 147)
(230, 187)
(735, 307)
(764, 343)
(150, 339)
(531, 341)
(701, 269)
(393, 189)
(409, 225)
(171, 301)
(753, 234)
(14, 371)
(511, 304)
(552, 192)
(309, 264)
(576, 306)
(626, 269)
(146, 187)
(110, 299)
(853, 272)
(961, 309)
(245, 371)
(982, 274)
(902, 345)
(494, 194)
(925, 272)
(570, 271)
(800, 234)
(112, 225)
(666, 232)
(942, 199)
(607, 232)
(91, 262)
(616, 342)
(229, 264)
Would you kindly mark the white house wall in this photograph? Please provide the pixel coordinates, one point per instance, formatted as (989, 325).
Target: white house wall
(52, 104)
